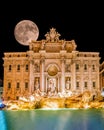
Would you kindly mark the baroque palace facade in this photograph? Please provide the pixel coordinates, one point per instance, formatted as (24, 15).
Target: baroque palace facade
(51, 65)
(101, 74)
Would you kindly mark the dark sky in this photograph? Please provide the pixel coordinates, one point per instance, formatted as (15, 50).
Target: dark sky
(83, 22)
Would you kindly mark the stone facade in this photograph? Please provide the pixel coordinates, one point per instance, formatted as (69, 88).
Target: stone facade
(50, 65)
(102, 76)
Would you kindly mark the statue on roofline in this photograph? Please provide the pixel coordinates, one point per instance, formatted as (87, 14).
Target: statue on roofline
(52, 36)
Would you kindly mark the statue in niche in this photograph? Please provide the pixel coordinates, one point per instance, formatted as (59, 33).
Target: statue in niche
(67, 83)
(37, 90)
(36, 67)
(67, 68)
(52, 87)
(36, 83)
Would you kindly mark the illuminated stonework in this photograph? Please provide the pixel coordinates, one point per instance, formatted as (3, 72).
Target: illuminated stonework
(52, 70)
(52, 66)
(102, 76)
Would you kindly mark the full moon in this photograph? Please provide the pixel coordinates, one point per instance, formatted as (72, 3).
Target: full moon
(26, 31)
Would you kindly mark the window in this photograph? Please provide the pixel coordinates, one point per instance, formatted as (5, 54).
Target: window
(27, 67)
(10, 67)
(1, 93)
(18, 67)
(8, 98)
(77, 66)
(77, 84)
(18, 85)
(93, 67)
(85, 67)
(94, 84)
(9, 85)
(26, 85)
(85, 84)
(102, 74)
(17, 97)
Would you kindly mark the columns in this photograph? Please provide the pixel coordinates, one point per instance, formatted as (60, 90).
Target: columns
(42, 74)
(73, 75)
(42, 67)
(82, 77)
(62, 54)
(90, 77)
(31, 78)
(46, 83)
(97, 78)
(63, 75)
(31, 74)
(58, 89)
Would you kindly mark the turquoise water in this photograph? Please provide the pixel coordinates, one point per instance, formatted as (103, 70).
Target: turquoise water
(60, 119)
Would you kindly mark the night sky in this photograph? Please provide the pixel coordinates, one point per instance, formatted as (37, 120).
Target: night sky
(82, 22)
